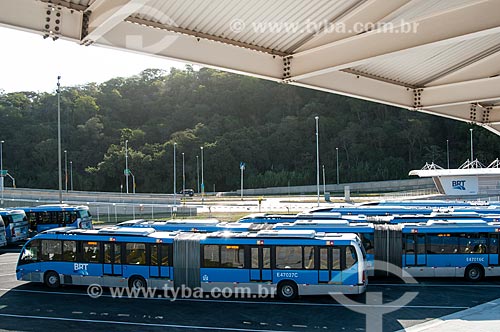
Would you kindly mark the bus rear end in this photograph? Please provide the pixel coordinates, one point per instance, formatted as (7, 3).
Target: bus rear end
(16, 227)
(84, 217)
(3, 237)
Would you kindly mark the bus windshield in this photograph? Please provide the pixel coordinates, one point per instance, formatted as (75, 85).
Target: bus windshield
(84, 213)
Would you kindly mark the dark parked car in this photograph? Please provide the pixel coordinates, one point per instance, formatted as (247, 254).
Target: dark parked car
(189, 192)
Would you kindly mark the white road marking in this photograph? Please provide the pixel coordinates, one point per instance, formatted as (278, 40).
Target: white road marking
(436, 285)
(190, 327)
(244, 302)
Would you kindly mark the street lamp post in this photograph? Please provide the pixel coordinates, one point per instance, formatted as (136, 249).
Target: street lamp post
(133, 182)
(183, 177)
(126, 166)
(324, 183)
(71, 174)
(197, 175)
(317, 156)
(202, 178)
(59, 173)
(175, 177)
(471, 147)
(337, 151)
(242, 168)
(2, 183)
(66, 169)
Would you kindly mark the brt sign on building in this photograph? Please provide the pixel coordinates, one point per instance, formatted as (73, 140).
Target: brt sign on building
(470, 179)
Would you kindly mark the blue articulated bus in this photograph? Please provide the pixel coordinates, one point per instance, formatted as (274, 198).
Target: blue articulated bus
(3, 236)
(45, 217)
(16, 225)
(451, 249)
(391, 242)
(286, 263)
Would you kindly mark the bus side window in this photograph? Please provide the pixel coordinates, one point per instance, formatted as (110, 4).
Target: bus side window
(409, 244)
(31, 252)
(164, 253)
(51, 250)
(90, 251)
(211, 257)
(336, 258)
(136, 253)
(493, 248)
(69, 251)
(309, 258)
(350, 257)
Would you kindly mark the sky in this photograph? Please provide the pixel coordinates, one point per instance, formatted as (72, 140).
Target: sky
(30, 63)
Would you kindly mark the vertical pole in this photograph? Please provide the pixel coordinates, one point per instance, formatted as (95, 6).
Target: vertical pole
(242, 168)
(317, 156)
(197, 174)
(133, 182)
(338, 181)
(324, 183)
(126, 165)
(471, 147)
(59, 138)
(183, 177)
(175, 178)
(66, 169)
(71, 173)
(202, 178)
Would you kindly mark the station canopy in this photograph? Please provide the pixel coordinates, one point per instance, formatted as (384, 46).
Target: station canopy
(440, 57)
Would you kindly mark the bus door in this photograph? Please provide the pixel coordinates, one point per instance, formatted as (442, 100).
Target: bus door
(415, 254)
(420, 250)
(493, 250)
(159, 261)
(410, 258)
(330, 270)
(112, 259)
(260, 259)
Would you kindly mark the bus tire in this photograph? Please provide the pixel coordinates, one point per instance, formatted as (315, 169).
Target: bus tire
(137, 282)
(474, 272)
(287, 290)
(51, 279)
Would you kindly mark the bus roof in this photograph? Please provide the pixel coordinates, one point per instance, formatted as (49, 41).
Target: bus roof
(4, 212)
(469, 225)
(53, 207)
(155, 234)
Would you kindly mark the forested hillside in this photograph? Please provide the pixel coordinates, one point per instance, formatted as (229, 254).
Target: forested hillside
(268, 126)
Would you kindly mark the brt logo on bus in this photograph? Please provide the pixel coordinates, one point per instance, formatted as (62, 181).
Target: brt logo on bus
(458, 184)
(80, 266)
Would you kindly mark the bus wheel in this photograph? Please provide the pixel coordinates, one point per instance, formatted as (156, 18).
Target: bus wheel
(474, 273)
(51, 279)
(287, 290)
(137, 282)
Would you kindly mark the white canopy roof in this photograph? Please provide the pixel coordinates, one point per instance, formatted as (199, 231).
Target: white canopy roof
(435, 56)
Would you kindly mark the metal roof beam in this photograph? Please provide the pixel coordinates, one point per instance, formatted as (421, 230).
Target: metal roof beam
(104, 15)
(161, 43)
(476, 91)
(49, 20)
(447, 27)
(360, 87)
